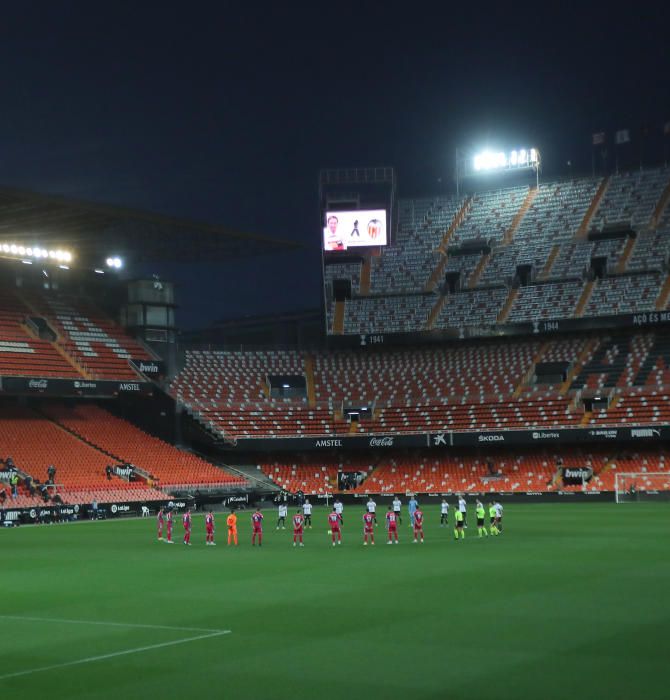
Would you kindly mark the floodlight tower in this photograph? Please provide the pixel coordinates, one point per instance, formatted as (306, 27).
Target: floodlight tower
(470, 164)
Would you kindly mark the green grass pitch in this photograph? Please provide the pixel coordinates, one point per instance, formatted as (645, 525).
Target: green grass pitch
(572, 601)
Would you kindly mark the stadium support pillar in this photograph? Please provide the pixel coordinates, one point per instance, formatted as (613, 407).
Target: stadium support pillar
(435, 312)
(504, 313)
(309, 380)
(477, 272)
(366, 274)
(584, 299)
(662, 300)
(584, 355)
(525, 206)
(338, 318)
(625, 255)
(660, 206)
(437, 273)
(593, 208)
(550, 262)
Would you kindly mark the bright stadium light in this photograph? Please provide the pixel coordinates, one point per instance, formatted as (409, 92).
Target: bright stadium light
(35, 252)
(491, 162)
(114, 262)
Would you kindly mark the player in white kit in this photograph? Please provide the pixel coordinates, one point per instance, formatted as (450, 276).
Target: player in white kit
(372, 508)
(307, 512)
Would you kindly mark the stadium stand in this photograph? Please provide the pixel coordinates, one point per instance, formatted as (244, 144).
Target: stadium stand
(406, 266)
(36, 442)
(100, 347)
(510, 472)
(168, 466)
(546, 301)
(21, 351)
(624, 294)
(543, 230)
(392, 314)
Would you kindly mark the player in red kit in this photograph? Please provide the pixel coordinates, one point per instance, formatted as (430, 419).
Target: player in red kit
(418, 524)
(257, 525)
(168, 520)
(187, 527)
(368, 527)
(392, 525)
(298, 524)
(159, 519)
(334, 523)
(209, 528)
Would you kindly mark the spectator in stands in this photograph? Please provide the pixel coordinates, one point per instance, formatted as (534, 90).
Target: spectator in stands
(3, 495)
(28, 483)
(9, 465)
(108, 472)
(490, 466)
(51, 471)
(14, 483)
(44, 491)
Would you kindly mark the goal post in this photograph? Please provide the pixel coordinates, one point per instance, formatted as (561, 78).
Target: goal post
(641, 486)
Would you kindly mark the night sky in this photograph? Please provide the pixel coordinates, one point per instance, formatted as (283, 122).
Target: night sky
(226, 112)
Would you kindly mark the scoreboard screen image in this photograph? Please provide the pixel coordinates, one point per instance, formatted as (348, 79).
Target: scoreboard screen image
(343, 230)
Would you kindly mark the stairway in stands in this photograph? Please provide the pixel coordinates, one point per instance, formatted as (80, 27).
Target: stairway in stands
(606, 365)
(657, 358)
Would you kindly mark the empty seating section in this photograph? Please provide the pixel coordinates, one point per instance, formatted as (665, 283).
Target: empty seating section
(546, 301)
(345, 271)
(529, 471)
(35, 443)
(311, 479)
(489, 415)
(212, 378)
(636, 409)
(651, 250)
(20, 352)
(472, 308)
(553, 218)
(392, 314)
(630, 198)
(413, 377)
(543, 238)
(465, 264)
(624, 294)
(407, 265)
(270, 420)
(557, 211)
(490, 215)
(99, 346)
(169, 466)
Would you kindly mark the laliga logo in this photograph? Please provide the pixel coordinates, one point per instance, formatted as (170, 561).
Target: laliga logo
(113, 508)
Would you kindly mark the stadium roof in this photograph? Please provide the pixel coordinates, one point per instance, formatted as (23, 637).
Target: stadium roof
(92, 230)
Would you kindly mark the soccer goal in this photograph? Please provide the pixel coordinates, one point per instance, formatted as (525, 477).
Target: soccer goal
(642, 486)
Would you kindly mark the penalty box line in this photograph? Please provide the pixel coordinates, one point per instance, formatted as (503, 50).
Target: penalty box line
(28, 618)
(102, 657)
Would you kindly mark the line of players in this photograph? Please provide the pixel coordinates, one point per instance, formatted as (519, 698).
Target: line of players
(303, 519)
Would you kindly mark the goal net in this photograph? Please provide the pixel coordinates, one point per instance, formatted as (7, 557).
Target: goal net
(642, 486)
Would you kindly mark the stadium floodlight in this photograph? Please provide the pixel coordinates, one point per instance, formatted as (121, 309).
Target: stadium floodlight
(491, 162)
(99, 271)
(115, 262)
(36, 252)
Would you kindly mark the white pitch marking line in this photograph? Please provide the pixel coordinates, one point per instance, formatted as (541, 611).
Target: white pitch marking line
(109, 624)
(114, 654)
